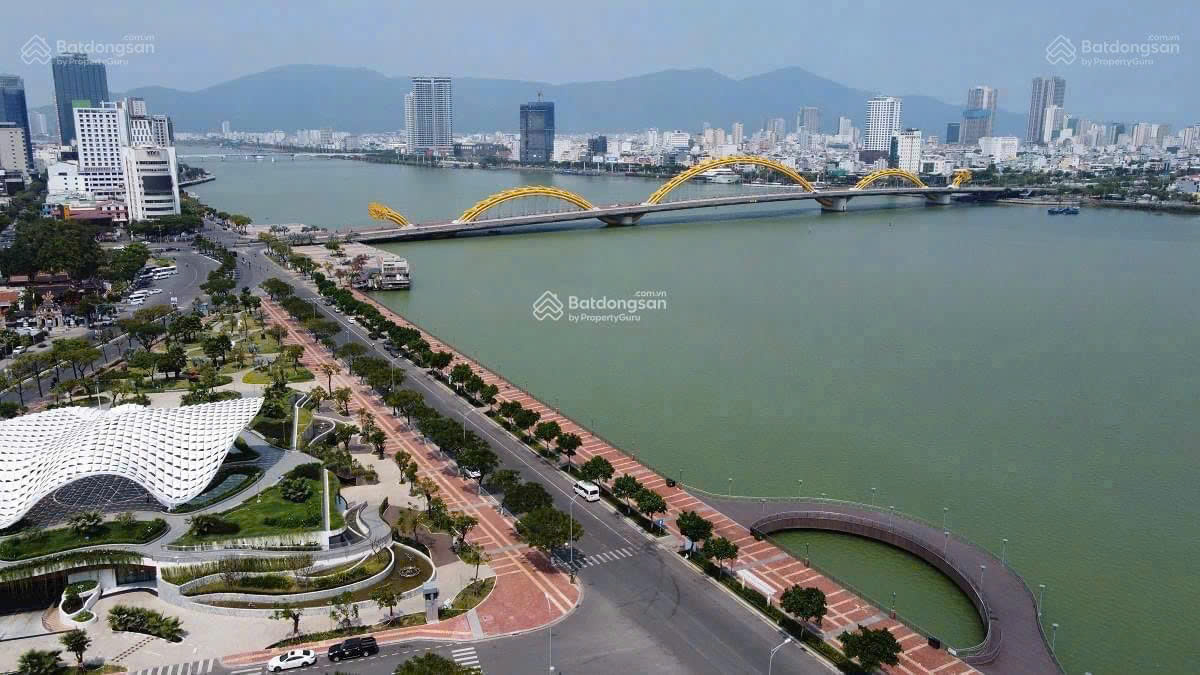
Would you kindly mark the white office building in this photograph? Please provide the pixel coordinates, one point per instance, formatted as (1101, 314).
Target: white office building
(677, 140)
(12, 149)
(999, 148)
(410, 123)
(906, 147)
(150, 179)
(845, 126)
(1052, 123)
(739, 133)
(883, 121)
(433, 116)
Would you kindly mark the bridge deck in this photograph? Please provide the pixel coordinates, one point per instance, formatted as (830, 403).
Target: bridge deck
(1015, 642)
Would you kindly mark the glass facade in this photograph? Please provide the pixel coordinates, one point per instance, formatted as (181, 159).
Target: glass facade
(78, 82)
(13, 109)
(537, 132)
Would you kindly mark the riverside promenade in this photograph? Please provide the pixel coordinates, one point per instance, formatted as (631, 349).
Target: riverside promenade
(529, 591)
(773, 566)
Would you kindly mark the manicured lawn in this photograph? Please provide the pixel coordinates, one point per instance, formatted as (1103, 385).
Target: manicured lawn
(469, 597)
(38, 542)
(268, 513)
(257, 376)
(371, 566)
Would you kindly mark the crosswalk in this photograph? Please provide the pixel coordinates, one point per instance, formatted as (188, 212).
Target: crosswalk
(466, 657)
(199, 667)
(583, 560)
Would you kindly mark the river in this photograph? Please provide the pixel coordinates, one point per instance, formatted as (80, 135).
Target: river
(1023, 376)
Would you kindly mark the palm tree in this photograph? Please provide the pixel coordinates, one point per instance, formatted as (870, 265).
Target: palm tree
(76, 641)
(329, 370)
(318, 396)
(342, 396)
(39, 662)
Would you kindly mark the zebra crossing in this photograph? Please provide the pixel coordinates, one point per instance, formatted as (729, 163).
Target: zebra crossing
(583, 560)
(199, 667)
(466, 657)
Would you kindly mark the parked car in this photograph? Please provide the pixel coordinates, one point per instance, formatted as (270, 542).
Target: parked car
(297, 658)
(470, 473)
(353, 648)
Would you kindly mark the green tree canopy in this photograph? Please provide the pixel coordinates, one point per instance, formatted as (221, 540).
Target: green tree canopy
(871, 648)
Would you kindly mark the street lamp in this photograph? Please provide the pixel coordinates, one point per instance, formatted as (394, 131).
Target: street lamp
(800, 489)
(1041, 598)
(982, 568)
(731, 486)
(550, 632)
(771, 661)
(945, 514)
(570, 528)
(1004, 551)
(1053, 635)
(946, 546)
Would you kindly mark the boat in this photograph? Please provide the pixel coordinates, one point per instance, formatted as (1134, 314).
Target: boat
(721, 174)
(1063, 210)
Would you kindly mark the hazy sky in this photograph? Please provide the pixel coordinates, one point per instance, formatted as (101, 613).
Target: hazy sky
(934, 48)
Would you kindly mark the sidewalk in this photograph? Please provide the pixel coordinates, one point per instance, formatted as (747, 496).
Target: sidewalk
(773, 565)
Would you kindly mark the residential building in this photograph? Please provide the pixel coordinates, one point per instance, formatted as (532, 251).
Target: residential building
(13, 109)
(151, 179)
(777, 128)
(677, 140)
(410, 124)
(41, 127)
(1053, 118)
(101, 132)
(739, 133)
(1047, 91)
(598, 145)
(883, 121)
(953, 132)
(537, 131)
(433, 115)
(999, 148)
(146, 129)
(13, 149)
(63, 178)
(809, 118)
(845, 126)
(979, 115)
(78, 83)
(905, 150)
(226, 128)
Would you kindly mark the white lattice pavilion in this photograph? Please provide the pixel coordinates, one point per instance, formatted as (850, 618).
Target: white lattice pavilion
(173, 453)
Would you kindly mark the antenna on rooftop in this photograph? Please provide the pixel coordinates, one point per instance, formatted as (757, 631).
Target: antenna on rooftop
(539, 95)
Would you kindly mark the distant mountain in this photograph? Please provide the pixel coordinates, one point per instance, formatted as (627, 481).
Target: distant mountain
(360, 99)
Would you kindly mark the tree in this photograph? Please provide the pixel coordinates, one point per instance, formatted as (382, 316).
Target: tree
(720, 549)
(386, 598)
(318, 396)
(546, 529)
(343, 612)
(460, 373)
(76, 641)
(473, 555)
(329, 370)
(344, 433)
(350, 352)
(547, 431)
(174, 360)
(408, 402)
(805, 603)
(86, 523)
(626, 487)
(526, 497)
(650, 503)
(872, 648)
(463, 524)
(217, 346)
(276, 332)
(596, 469)
(379, 440)
(525, 418)
(39, 662)
(410, 473)
(426, 488)
(342, 396)
(286, 611)
(568, 444)
(482, 459)
(440, 360)
(293, 353)
(505, 480)
(145, 332)
(694, 526)
(430, 663)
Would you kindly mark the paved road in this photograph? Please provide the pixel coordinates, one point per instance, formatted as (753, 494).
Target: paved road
(646, 612)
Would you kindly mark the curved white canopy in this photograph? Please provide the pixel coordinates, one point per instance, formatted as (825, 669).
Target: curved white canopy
(172, 452)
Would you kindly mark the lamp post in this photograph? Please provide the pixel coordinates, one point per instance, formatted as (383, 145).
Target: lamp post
(550, 632)
(1004, 551)
(731, 486)
(570, 528)
(800, 489)
(873, 497)
(945, 514)
(1053, 635)
(982, 568)
(771, 660)
(893, 604)
(946, 545)
(1041, 599)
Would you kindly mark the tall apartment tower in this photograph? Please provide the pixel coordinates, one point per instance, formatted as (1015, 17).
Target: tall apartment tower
(433, 115)
(410, 124)
(1047, 91)
(883, 120)
(537, 131)
(101, 132)
(809, 117)
(78, 83)
(979, 115)
(738, 133)
(905, 150)
(13, 109)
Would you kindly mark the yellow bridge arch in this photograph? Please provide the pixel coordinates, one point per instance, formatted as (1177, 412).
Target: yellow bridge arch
(384, 212)
(870, 178)
(960, 176)
(523, 192)
(698, 169)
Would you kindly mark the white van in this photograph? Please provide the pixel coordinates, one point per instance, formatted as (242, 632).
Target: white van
(587, 490)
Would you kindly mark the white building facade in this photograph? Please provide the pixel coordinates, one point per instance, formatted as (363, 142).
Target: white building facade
(12, 149)
(883, 121)
(999, 148)
(150, 178)
(907, 145)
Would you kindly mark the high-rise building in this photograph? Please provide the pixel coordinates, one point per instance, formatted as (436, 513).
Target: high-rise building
(809, 117)
(12, 149)
(78, 83)
(1047, 91)
(953, 132)
(41, 126)
(13, 109)
(433, 115)
(652, 137)
(410, 124)
(979, 115)
(777, 128)
(537, 131)
(226, 128)
(905, 150)
(845, 126)
(146, 129)
(999, 148)
(101, 132)
(719, 136)
(598, 145)
(677, 140)
(883, 120)
(150, 176)
(1053, 118)
(739, 133)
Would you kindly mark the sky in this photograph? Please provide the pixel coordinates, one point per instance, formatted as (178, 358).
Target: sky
(933, 48)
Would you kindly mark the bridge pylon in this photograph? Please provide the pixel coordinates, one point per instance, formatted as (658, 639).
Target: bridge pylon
(834, 204)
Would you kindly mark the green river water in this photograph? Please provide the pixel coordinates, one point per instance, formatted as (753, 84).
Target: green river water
(1035, 375)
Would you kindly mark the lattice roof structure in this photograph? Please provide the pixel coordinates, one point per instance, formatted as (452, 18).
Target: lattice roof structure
(173, 453)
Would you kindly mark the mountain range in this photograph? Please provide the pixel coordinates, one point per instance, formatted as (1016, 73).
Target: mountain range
(360, 100)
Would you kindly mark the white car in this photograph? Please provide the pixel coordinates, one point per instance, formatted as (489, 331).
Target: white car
(137, 301)
(155, 291)
(297, 658)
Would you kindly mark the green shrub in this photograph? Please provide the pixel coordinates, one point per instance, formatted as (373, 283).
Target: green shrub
(71, 601)
(295, 489)
(310, 518)
(311, 471)
(265, 581)
(205, 524)
(146, 621)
